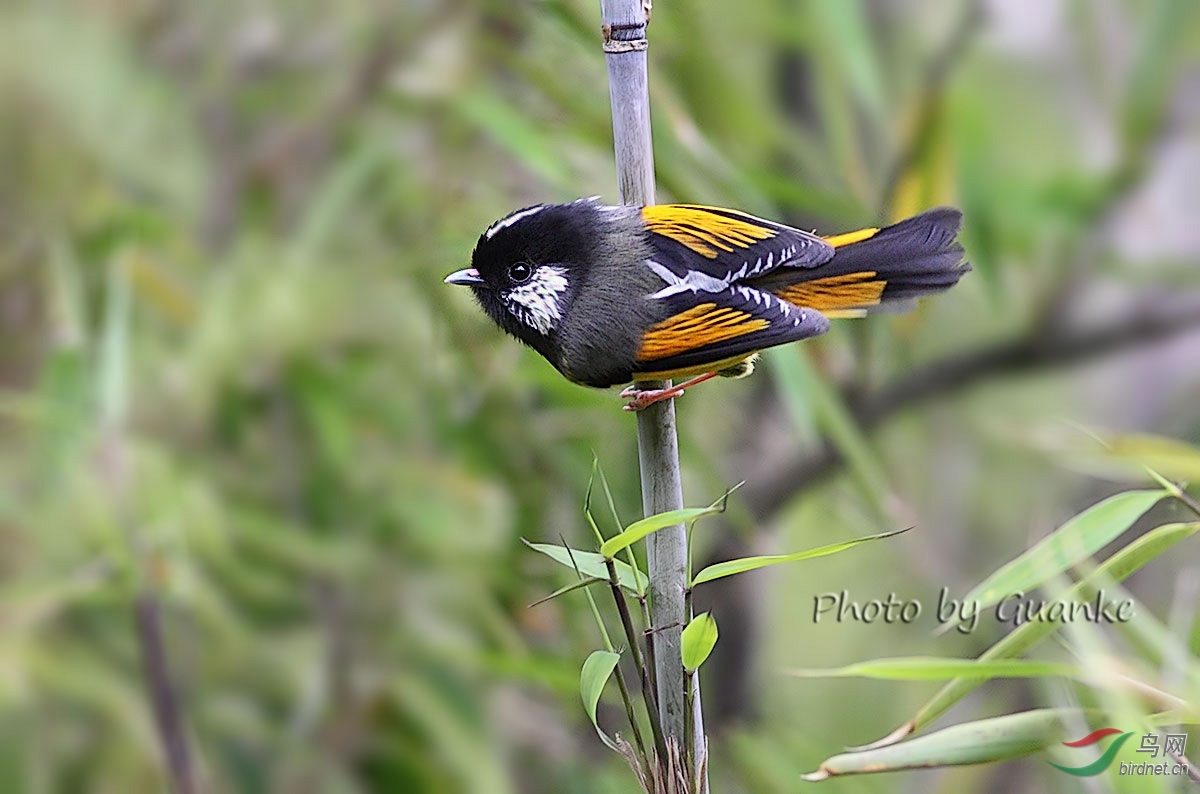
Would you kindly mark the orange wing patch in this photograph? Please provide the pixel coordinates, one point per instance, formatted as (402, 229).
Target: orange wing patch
(838, 240)
(834, 295)
(698, 326)
(703, 229)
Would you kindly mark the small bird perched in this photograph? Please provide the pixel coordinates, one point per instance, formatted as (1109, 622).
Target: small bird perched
(610, 294)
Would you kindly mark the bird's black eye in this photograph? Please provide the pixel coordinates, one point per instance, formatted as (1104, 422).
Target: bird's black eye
(520, 272)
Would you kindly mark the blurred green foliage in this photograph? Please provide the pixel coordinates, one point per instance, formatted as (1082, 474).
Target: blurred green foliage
(233, 380)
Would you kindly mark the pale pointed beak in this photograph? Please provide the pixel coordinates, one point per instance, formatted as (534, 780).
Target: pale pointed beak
(465, 276)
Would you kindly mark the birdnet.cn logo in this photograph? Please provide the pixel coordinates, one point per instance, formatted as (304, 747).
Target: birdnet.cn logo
(1172, 749)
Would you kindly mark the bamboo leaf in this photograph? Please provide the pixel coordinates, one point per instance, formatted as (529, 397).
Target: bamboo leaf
(591, 564)
(1148, 90)
(1116, 568)
(113, 376)
(697, 641)
(743, 564)
(587, 502)
(651, 524)
(612, 504)
(592, 677)
(612, 507)
(982, 741)
(978, 198)
(930, 668)
(846, 21)
(1074, 541)
(584, 582)
(1121, 457)
(1174, 458)
(526, 139)
(331, 205)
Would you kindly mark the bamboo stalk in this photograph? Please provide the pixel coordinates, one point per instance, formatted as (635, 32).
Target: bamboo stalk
(624, 25)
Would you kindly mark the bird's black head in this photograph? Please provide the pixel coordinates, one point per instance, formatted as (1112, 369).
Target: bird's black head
(527, 266)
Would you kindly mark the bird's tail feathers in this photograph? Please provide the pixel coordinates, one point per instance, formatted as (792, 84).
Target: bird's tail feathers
(880, 269)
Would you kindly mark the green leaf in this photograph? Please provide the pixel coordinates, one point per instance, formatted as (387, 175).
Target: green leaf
(982, 741)
(612, 504)
(113, 375)
(587, 581)
(697, 641)
(1074, 541)
(651, 524)
(66, 296)
(597, 470)
(1155, 642)
(1148, 91)
(983, 237)
(1121, 457)
(330, 205)
(846, 23)
(1173, 458)
(743, 564)
(591, 564)
(520, 133)
(1116, 568)
(592, 678)
(931, 668)
(587, 502)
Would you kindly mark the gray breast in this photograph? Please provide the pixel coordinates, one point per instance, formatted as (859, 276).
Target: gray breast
(602, 330)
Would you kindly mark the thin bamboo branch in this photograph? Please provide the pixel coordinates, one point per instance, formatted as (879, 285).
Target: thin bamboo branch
(1187, 499)
(608, 646)
(625, 698)
(660, 744)
(113, 470)
(167, 714)
(651, 661)
(689, 755)
(631, 714)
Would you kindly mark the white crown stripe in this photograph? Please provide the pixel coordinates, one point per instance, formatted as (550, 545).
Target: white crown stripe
(509, 220)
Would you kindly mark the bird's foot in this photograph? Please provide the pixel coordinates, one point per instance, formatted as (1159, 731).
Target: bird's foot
(640, 399)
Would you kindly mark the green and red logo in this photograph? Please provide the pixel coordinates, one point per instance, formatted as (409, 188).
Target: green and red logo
(1101, 763)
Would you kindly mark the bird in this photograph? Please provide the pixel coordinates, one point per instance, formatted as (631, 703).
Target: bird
(610, 294)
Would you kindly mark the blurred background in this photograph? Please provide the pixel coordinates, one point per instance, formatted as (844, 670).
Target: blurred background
(258, 461)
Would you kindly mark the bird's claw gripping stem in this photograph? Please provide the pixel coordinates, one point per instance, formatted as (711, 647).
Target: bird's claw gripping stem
(640, 399)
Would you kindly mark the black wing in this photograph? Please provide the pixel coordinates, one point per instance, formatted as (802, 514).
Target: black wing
(726, 245)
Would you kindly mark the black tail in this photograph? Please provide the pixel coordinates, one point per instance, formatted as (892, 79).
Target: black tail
(887, 268)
